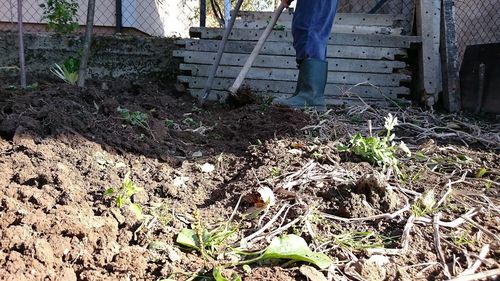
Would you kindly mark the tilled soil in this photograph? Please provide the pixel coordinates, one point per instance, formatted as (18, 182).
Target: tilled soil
(61, 148)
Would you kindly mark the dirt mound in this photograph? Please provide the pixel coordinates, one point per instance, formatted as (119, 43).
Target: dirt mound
(62, 149)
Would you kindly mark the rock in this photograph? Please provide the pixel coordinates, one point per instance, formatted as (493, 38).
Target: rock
(44, 252)
(141, 197)
(368, 183)
(372, 269)
(172, 254)
(67, 274)
(312, 273)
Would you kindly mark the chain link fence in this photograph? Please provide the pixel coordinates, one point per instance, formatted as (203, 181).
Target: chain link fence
(477, 22)
(148, 17)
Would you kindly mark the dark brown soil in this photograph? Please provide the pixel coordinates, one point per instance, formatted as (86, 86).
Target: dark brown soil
(62, 147)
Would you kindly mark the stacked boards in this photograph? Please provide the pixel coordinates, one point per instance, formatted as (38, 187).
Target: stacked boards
(364, 56)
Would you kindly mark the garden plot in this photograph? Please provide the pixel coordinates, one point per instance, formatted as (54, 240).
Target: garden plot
(132, 181)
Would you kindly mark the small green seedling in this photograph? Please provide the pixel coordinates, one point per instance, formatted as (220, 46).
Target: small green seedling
(217, 274)
(122, 195)
(68, 72)
(359, 240)
(188, 121)
(169, 123)
(275, 172)
(463, 237)
(206, 242)
(136, 118)
(378, 150)
(424, 205)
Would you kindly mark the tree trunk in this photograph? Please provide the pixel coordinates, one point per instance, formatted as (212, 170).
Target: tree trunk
(22, 68)
(86, 45)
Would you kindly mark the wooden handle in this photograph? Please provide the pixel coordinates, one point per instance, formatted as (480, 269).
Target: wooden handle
(248, 64)
(220, 51)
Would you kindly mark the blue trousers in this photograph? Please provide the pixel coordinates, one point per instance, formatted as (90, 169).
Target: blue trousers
(311, 27)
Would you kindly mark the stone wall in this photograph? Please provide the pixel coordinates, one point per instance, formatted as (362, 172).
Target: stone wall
(111, 56)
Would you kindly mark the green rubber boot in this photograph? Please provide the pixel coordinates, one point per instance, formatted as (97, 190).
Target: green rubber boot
(310, 87)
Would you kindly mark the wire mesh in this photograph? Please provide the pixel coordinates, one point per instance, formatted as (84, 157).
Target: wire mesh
(477, 22)
(149, 17)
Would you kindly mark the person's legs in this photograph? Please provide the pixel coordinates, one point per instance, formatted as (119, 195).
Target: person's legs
(311, 28)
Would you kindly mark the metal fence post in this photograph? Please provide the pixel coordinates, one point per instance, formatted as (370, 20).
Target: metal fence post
(203, 13)
(227, 12)
(119, 21)
(449, 57)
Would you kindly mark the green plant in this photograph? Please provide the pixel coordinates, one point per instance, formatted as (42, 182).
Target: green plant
(69, 70)
(206, 242)
(161, 212)
(61, 15)
(217, 273)
(294, 248)
(275, 172)
(169, 123)
(188, 121)
(122, 195)
(378, 150)
(463, 237)
(424, 205)
(359, 240)
(136, 118)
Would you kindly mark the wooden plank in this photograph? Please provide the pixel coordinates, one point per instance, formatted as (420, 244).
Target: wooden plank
(220, 96)
(340, 18)
(373, 40)
(261, 73)
(337, 28)
(286, 49)
(353, 65)
(288, 87)
(428, 17)
(451, 94)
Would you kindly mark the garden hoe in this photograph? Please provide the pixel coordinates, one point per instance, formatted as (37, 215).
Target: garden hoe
(220, 51)
(233, 90)
(248, 64)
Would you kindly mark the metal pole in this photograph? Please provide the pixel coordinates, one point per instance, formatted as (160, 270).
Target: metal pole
(20, 31)
(227, 12)
(220, 51)
(119, 20)
(203, 13)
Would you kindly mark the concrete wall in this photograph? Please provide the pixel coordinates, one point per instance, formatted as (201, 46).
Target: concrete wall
(154, 17)
(111, 56)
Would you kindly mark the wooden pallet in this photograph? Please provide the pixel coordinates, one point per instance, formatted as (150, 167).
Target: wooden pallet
(363, 55)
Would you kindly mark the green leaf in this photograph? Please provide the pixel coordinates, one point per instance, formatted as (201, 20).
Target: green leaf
(235, 277)
(110, 191)
(342, 148)
(420, 156)
(217, 273)
(187, 237)
(120, 201)
(136, 209)
(295, 248)
(247, 269)
(481, 172)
